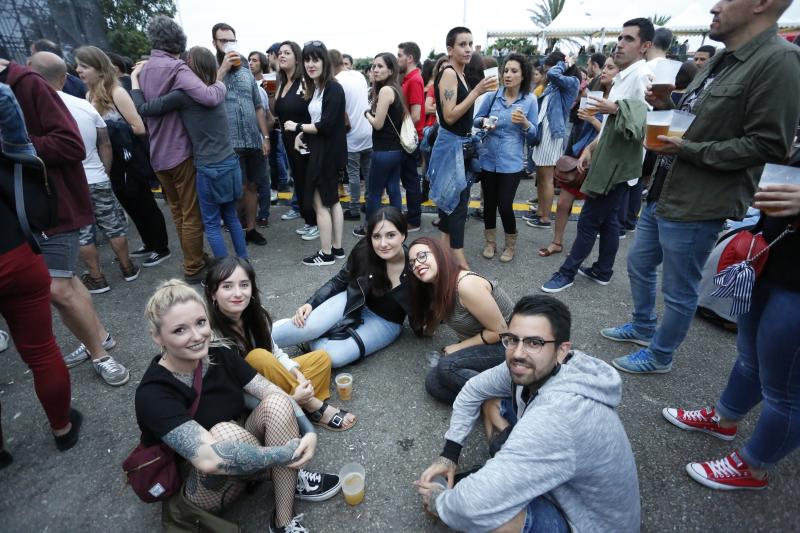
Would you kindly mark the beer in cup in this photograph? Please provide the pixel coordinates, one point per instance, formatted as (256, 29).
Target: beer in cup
(681, 120)
(590, 109)
(658, 123)
(664, 73)
(344, 384)
(493, 85)
(517, 113)
(272, 82)
(778, 175)
(231, 47)
(353, 479)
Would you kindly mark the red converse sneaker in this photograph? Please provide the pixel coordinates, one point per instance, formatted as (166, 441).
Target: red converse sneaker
(728, 473)
(705, 420)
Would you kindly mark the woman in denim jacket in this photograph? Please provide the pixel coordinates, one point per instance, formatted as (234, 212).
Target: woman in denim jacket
(509, 116)
(562, 89)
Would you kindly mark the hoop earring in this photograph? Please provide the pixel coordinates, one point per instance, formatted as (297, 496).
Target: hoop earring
(163, 351)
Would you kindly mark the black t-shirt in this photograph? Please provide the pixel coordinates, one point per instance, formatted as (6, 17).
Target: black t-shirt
(784, 255)
(293, 106)
(388, 138)
(463, 126)
(163, 401)
(387, 305)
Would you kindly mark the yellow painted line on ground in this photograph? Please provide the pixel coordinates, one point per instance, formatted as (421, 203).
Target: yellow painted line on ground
(576, 209)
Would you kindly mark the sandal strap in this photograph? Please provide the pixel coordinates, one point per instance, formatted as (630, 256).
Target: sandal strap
(337, 420)
(317, 415)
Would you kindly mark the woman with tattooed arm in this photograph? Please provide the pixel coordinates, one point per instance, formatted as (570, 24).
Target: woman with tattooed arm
(275, 440)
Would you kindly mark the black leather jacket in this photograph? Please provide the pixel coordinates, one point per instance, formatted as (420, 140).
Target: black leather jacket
(357, 290)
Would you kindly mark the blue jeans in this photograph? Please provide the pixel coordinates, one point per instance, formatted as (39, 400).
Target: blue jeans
(543, 516)
(683, 247)
(384, 173)
(453, 371)
(768, 370)
(13, 135)
(376, 333)
(411, 183)
(599, 215)
(358, 163)
(211, 211)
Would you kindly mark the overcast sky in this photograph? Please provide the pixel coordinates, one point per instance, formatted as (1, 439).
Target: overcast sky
(364, 28)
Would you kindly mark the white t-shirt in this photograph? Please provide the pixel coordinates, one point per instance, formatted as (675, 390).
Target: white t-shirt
(88, 120)
(356, 102)
(315, 105)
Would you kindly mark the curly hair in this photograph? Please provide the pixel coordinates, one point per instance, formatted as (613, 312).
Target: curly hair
(101, 94)
(166, 34)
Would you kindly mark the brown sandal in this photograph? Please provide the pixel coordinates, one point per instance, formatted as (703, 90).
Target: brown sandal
(546, 252)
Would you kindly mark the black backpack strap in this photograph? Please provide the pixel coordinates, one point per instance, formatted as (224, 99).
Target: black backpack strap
(22, 216)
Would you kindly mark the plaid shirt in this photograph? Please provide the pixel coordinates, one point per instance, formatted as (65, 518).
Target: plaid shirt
(241, 101)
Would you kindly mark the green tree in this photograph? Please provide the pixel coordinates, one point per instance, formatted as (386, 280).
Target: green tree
(545, 13)
(126, 21)
(517, 44)
(660, 20)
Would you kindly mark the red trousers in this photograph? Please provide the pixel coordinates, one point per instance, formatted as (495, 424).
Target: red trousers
(25, 305)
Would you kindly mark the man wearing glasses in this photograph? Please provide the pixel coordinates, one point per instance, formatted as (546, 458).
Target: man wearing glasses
(563, 461)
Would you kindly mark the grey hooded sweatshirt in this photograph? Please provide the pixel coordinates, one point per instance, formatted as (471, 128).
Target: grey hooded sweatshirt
(569, 444)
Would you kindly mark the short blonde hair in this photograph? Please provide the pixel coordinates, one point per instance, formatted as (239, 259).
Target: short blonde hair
(167, 295)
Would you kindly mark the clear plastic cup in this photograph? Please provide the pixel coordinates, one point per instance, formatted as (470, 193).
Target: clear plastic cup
(353, 479)
(664, 73)
(658, 123)
(232, 47)
(492, 73)
(344, 385)
(591, 103)
(434, 356)
(681, 120)
(779, 175)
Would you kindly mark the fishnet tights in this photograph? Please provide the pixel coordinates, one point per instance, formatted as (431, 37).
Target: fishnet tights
(272, 423)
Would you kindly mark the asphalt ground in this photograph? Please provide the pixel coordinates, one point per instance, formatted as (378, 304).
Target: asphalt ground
(400, 428)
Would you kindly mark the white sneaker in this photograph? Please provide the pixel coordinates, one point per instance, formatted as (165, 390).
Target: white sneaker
(291, 215)
(3, 341)
(311, 234)
(303, 230)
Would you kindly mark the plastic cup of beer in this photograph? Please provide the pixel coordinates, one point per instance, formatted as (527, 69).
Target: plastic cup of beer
(664, 73)
(353, 479)
(591, 103)
(492, 73)
(681, 120)
(272, 82)
(344, 385)
(778, 175)
(231, 47)
(658, 123)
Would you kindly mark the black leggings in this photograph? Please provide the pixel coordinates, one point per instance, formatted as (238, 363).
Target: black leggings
(136, 198)
(298, 164)
(499, 190)
(453, 224)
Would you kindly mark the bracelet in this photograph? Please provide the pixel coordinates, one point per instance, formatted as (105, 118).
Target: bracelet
(298, 127)
(483, 339)
(365, 113)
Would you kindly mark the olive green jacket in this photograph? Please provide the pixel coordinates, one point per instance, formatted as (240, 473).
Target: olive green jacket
(618, 156)
(744, 119)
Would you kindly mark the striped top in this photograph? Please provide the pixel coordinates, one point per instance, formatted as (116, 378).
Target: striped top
(464, 323)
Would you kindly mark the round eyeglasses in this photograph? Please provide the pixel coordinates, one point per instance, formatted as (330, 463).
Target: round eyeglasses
(421, 258)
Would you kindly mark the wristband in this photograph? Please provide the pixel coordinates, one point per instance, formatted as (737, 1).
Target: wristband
(298, 128)
(483, 339)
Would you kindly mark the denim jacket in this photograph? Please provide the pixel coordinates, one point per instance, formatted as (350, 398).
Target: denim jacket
(446, 170)
(503, 148)
(241, 101)
(13, 134)
(566, 89)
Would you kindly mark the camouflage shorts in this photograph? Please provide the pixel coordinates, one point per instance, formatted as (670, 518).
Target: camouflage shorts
(109, 216)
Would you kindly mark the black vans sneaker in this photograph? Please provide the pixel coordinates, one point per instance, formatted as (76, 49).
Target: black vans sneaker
(319, 259)
(316, 486)
(294, 525)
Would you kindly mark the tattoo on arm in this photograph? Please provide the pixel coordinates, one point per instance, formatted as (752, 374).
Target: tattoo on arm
(261, 387)
(449, 94)
(186, 439)
(239, 458)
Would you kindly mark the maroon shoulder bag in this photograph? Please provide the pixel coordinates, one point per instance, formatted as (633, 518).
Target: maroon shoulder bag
(151, 471)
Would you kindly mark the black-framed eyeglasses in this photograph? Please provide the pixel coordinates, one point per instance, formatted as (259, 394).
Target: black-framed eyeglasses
(529, 344)
(226, 41)
(421, 258)
(312, 43)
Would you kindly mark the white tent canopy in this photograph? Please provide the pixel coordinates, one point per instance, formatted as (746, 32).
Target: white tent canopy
(581, 18)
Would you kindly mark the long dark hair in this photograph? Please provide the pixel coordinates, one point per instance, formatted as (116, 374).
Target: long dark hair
(298, 64)
(392, 81)
(317, 50)
(363, 261)
(433, 302)
(256, 322)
